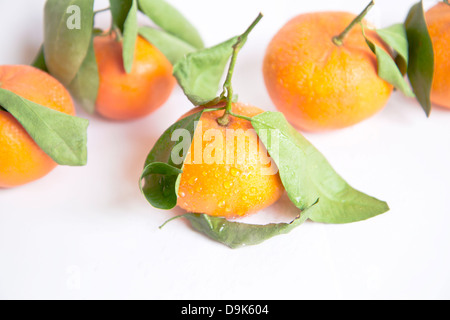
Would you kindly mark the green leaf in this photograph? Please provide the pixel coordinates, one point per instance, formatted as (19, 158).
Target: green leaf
(237, 234)
(421, 56)
(130, 34)
(67, 35)
(160, 189)
(62, 136)
(84, 87)
(308, 176)
(39, 60)
(199, 74)
(119, 12)
(395, 37)
(161, 173)
(388, 69)
(172, 47)
(171, 20)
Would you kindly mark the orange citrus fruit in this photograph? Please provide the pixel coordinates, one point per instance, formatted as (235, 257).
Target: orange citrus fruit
(224, 174)
(318, 84)
(438, 21)
(127, 96)
(21, 159)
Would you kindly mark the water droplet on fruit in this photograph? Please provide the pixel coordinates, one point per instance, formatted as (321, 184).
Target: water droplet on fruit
(193, 180)
(235, 172)
(227, 184)
(221, 204)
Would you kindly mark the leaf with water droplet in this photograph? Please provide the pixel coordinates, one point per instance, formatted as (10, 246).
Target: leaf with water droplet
(308, 176)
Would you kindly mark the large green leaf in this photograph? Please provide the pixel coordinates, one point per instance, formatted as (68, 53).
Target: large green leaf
(395, 36)
(238, 234)
(67, 35)
(307, 176)
(130, 34)
(171, 20)
(421, 56)
(39, 60)
(387, 68)
(172, 47)
(63, 137)
(119, 12)
(84, 87)
(161, 172)
(200, 72)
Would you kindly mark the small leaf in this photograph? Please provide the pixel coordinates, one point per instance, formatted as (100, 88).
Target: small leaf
(395, 37)
(39, 60)
(160, 173)
(401, 64)
(200, 72)
(62, 136)
(171, 20)
(172, 47)
(237, 234)
(67, 35)
(307, 175)
(162, 179)
(130, 34)
(388, 69)
(421, 56)
(84, 87)
(119, 12)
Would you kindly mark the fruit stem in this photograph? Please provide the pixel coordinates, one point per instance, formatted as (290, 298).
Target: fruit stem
(117, 32)
(339, 40)
(101, 10)
(213, 109)
(227, 87)
(171, 219)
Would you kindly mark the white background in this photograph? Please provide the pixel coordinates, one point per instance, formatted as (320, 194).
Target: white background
(88, 233)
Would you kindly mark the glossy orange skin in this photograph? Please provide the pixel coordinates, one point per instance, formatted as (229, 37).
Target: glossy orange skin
(438, 21)
(317, 84)
(228, 187)
(134, 95)
(21, 159)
